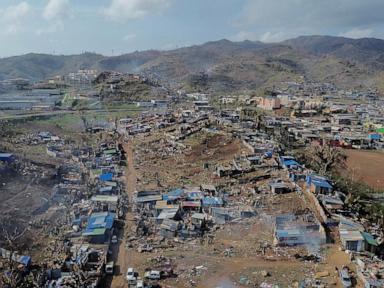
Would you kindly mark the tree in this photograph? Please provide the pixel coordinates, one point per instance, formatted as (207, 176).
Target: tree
(324, 158)
(14, 237)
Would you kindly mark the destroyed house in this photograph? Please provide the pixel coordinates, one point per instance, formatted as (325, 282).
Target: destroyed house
(198, 219)
(292, 230)
(99, 227)
(148, 198)
(105, 202)
(344, 119)
(254, 159)
(331, 203)
(194, 195)
(208, 189)
(169, 213)
(370, 243)
(279, 188)
(106, 190)
(162, 205)
(318, 185)
(209, 202)
(168, 228)
(221, 215)
(191, 205)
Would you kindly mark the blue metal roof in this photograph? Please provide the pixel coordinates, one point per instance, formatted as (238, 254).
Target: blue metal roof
(173, 194)
(106, 177)
(100, 220)
(212, 201)
(321, 183)
(291, 162)
(7, 157)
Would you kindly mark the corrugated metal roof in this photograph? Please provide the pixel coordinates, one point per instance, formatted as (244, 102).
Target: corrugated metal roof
(105, 198)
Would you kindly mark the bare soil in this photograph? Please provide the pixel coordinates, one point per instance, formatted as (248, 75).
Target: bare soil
(366, 166)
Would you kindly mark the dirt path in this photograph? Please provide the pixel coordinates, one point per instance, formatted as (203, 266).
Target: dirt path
(124, 255)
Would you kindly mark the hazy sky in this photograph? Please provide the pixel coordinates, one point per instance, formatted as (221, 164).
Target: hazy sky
(120, 26)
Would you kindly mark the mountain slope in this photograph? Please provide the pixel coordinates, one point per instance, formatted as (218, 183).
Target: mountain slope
(40, 66)
(227, 66)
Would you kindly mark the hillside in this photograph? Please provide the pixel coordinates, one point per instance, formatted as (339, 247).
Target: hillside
(227, 66)
(115, 87)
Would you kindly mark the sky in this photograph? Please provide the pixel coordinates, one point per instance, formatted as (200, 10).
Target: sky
(113, 27)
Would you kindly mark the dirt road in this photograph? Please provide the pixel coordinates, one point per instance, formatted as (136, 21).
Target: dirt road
(124, 255)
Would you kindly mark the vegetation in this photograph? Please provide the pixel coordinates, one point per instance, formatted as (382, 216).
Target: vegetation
(324, 158)
(361, 198)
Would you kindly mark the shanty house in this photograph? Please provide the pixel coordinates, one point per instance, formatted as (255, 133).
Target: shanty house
(6, 157)
(209, 202)
(99, 227)
(198, 219)
(279, 188)
(168, 228)
(318, 185)
(106, 202)
(350, 235)
(289, 162)
(292, 230)
(173, 195)
(148, 199)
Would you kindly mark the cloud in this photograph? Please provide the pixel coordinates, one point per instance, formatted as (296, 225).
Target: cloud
(56, 10)
(244, 35)
(124, 10)
(129, 37)
(270, 37)
(12, 17)
(357, 33)
(303, 17)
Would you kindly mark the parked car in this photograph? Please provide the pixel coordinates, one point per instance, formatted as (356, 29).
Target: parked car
(152, 275)
(131, 275)
(109, 268)
(344, 277)
(140, 284)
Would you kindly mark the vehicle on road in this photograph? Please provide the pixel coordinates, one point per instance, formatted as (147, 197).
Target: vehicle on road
(140, 284)
(109, 268)
(131, 277)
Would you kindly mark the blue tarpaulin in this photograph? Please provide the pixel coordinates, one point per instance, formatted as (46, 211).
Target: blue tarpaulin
(374, 136)
(290, 162)
(268, 154)
(173, 194)
(25, 260)
(106, 177)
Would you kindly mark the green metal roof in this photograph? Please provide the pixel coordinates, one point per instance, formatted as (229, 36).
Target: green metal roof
(380, 130)
(110, 151)
(95, 232)
(369, 239)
